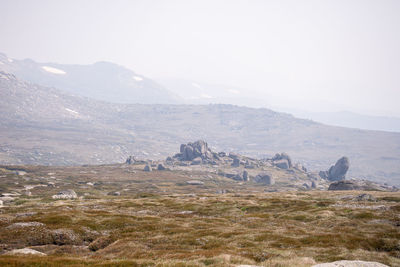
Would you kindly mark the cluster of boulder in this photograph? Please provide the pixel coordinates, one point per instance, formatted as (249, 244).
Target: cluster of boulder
(197, 152)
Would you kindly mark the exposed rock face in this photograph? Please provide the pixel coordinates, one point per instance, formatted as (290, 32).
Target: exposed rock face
(351, 264)
(339, 170)
(365, 197)
(282, 160)
(66, 194)
(130, 160)
(264, 178)
(147, 168)
(360, 185)
(195, 182)
(190, 151)
(25, 251)
(65, 237)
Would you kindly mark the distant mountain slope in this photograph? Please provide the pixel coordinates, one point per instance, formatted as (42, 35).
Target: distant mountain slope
(40, 125)
(102, 80)
(350, 119)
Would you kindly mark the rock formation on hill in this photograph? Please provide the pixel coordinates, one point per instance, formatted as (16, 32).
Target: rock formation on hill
(360, 185)
(282, 160)
(338, 171)
(191, 151)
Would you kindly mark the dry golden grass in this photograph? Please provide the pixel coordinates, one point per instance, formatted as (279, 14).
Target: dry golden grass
(156, 228)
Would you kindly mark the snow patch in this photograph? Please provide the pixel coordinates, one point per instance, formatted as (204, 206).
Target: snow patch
(72, 111)
(234, 91)
(53, 70)
(137, 78)
(197, 85)
(1, 63)
(205, 96)
(10, 60)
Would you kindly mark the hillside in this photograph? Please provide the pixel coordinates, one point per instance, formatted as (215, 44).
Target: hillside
(41, 125)
(102, 80)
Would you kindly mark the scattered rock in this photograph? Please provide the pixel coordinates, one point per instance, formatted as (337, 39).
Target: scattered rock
(66, 194)
(65, 237)
(25, 251)
(245, 176)
(100, 243)
(197, 161)
(236, 162)
(339, 170)
(25, 224)
(161, 167)
(282, 164)
(362, 185)
(195, 182)
(116, 193)
(264, 178)
(130, 160)
(365, 197)
(323, 174)
(314, 184)
(345, 263)
(282, 156)
(147, 168)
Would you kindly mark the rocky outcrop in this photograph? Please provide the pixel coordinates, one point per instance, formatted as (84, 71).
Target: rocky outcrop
(25, 251)
(264, 178)
(65, 194)
(339, 170)
(282, 160)
(190, 151)
(345, 263)
(363, 185)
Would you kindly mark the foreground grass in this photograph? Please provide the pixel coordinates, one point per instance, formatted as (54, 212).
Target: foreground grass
(270, 229)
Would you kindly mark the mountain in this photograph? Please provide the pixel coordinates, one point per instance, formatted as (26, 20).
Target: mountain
(194, 92)
(351, 120)
(41, 125)
(102, 81)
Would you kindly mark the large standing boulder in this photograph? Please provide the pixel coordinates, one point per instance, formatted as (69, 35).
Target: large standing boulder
(339, 170)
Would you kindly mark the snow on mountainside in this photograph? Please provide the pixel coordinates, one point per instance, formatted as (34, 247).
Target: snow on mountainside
(102, 81)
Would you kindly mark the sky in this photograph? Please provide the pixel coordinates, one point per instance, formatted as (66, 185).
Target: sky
(316, 55)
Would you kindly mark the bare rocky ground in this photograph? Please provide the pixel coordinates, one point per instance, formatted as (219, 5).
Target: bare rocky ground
(189, 215)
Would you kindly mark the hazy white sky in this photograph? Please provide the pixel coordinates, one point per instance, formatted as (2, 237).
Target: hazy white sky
(315, 55)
